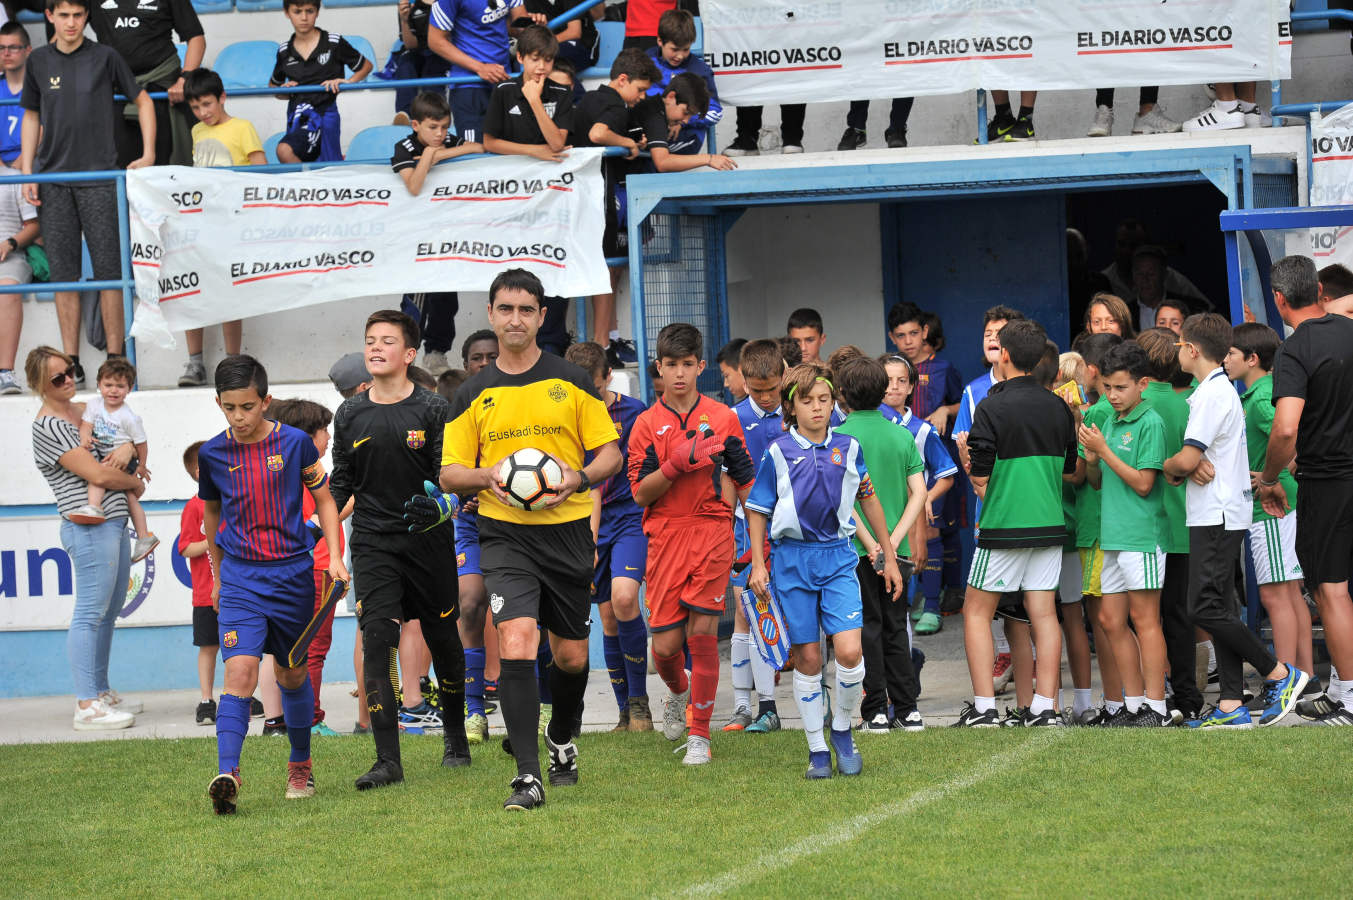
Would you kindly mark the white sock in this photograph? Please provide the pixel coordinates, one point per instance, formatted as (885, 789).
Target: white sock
(614, 335)
(1245, 106)
(739, 652)
(1340, 690)
(1081, 700)
(984, 704)
(1112, 706)
(808, 698)
(998, 635)
(1041, 704)
(1134, 703)
(1211, 656)
(849, 690)
(1158, 706)
(763, 676)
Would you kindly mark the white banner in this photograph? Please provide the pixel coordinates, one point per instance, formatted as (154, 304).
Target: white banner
(210, 245)
(1332, 184)
(771, 51)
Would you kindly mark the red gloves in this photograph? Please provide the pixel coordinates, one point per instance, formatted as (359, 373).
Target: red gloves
(703, 449)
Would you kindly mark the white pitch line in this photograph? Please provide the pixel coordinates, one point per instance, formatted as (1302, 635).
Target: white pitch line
(852, 828)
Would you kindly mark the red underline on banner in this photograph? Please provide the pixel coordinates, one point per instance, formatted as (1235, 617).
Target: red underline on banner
(546, 262)
(1329, 158)
(556, 187)
(314, 205)
(186, 211)
(297, 272)
(479, 199)
(1157, 49)
(176, 296)
(912, 62)
(148, 265)
(783, 69)
(1342, 232)
(1285, 43)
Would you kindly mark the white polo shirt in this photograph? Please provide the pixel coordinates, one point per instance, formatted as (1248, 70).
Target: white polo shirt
(1217, 427)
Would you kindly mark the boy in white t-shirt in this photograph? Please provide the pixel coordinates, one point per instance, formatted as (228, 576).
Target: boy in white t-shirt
(107, 423)
(1219, 505)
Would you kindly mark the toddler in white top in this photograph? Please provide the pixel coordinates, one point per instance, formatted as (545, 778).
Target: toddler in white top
(107, 423)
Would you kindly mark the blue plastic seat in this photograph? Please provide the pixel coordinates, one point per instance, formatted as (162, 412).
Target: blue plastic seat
(213, 6)
(375, 143)
(246, 63)
(258, 5)
(699, 46)
(363, 46)
(612, 39)
(270, 147)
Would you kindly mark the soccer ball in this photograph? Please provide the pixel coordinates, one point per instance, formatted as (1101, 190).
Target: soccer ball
(530, 478)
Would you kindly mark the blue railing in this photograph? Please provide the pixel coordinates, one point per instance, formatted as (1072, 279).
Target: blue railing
(1304, 110)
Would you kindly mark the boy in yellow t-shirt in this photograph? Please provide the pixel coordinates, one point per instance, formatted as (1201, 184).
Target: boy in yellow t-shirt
(219, 139)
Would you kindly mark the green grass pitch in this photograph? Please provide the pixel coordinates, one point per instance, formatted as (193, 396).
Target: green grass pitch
(1071, 812)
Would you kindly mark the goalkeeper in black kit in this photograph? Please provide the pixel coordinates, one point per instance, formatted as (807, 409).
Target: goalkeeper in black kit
(387, 445)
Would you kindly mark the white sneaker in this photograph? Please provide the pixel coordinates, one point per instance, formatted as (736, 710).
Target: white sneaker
(98, 717)
(697, 751)
(674, 714)
(1258, 118)
(1155, 122)
(788, 149)
(144, 546)
(1217, 117)
(115, 701)
(435, 362)
(1102, 126)
(87, 515)
(8, 384)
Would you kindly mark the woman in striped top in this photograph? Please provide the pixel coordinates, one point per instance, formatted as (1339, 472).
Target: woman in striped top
(100, 553)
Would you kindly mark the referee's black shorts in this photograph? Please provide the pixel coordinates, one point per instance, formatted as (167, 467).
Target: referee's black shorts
(1325, 529)
(541, 572)
(405, 576)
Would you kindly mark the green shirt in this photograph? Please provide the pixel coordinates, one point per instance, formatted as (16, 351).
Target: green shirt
(1129, 521)
(1173, 410)
(891, 455)
(1087, 498)
(1258, 405)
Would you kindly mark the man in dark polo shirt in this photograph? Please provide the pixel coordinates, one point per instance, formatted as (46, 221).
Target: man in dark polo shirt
(1313, 418)
(142, 31)
(68, 104)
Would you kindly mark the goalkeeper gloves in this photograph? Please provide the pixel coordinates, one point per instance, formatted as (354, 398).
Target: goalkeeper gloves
(425, 513)
(702, 450)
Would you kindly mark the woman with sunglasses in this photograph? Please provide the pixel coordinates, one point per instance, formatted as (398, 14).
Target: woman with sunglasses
(100, 553)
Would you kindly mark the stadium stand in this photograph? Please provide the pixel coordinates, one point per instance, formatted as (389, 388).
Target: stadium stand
(246, 63)
(375, 143)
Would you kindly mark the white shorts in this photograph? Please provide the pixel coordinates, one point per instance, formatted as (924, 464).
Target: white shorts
(1021, 569)
(1132, 570)
(1070, 586)
(1273, 548)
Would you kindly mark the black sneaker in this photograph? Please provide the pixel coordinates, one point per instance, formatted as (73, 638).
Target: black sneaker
(742, 147)
(1023, 130)
(969, 717)
(206, 712)
(851, 139)
(563, 762)
(359, 728)
(1148, 718)
(1049, 718)
(527, 793)
(80, 382)
(999, 128)
(382, 773)
(255, 708)
(1094, 717)
(1313, 688)
(1120, 719)
(1316, 707)
(1336, 716)
(455, 748)
(274, 727)
(620, 353)
(430, 693)
(896, 139)
(1015, 717)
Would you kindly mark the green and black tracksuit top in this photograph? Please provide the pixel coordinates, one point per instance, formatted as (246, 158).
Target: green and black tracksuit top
(1023, 439)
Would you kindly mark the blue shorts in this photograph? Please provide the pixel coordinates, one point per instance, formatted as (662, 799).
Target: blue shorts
(469, 104)
(265, 606)
(741, 543)
(313, 134)
(467, 545)
(622, 552)
(816, 585)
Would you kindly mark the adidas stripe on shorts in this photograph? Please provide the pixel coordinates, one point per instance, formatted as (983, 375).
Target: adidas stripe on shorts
(1132, 570)
(1019, 569)
(1273, 548)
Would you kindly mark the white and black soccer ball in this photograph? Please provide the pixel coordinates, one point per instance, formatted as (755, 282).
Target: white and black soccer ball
(530, 478)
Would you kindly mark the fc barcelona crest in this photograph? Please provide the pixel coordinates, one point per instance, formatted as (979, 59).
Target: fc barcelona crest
(275, 463)
(415, 439)
(231, 639)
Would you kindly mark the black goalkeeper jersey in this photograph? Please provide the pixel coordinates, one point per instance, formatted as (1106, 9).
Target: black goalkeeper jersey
(383, 452)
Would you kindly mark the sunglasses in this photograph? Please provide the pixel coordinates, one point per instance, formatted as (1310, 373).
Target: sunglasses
(60, 377)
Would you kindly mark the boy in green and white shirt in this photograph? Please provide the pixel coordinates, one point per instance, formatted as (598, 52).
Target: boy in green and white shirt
(1272, 540)
(1124, 462)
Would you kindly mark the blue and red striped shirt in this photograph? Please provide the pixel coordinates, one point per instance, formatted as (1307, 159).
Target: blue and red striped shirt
(261, 488)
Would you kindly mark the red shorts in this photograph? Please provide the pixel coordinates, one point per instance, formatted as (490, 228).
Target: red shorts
(688, 567)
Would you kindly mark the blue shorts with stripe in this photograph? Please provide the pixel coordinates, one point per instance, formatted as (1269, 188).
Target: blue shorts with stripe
(741, 543)
(816, 585)
(622, 552)
(265, 605)
(467, 545)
